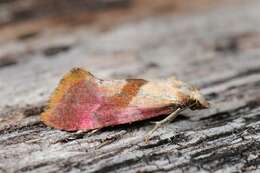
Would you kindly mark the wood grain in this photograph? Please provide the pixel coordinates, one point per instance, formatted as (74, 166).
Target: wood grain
(213, 46)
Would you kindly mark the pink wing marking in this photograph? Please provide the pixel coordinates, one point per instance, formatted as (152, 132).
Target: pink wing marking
(85, 106)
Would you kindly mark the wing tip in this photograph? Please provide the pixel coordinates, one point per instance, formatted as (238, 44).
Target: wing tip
(75, 75)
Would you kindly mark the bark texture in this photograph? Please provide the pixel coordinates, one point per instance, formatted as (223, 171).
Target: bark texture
(213, 45)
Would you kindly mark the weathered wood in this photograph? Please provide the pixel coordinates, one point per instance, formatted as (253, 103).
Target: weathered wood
(215, 48)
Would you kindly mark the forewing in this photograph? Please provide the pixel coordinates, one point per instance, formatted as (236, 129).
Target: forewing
(81, 102)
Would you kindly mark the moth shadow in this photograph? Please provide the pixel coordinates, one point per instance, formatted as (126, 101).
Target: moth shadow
(141, 123)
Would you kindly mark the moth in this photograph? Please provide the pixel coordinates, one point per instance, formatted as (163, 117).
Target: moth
(83, 102)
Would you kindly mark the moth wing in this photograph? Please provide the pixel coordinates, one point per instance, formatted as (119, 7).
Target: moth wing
(130, 105)
(64, 106)
(79, 103)
(109, 115)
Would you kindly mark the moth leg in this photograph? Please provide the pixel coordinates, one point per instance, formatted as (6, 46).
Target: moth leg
(91, 132)
(82, 131)
(159, 124)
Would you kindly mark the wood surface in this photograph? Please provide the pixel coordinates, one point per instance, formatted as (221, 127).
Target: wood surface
(214, 45)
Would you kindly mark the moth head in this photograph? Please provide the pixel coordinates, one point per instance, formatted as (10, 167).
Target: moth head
(198, 100)
(189, 94)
